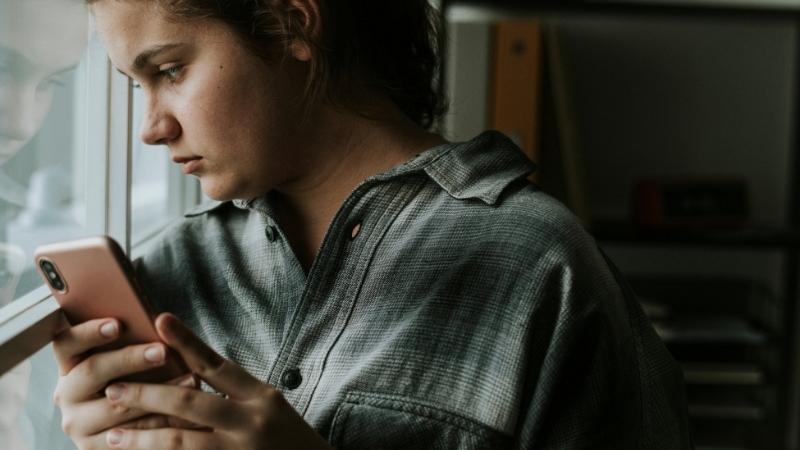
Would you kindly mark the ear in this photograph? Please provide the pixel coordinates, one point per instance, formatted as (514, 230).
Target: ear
(308, 23)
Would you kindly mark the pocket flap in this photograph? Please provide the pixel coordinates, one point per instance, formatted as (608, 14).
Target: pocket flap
(374, 421)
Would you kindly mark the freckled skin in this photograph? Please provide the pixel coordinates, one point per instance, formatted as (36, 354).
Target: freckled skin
(244, 129)
(247, 122)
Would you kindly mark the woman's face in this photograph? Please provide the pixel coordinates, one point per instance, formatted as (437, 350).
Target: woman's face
(40, 40)
(229, 118)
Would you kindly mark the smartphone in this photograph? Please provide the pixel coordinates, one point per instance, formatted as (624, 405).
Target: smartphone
(92, 279)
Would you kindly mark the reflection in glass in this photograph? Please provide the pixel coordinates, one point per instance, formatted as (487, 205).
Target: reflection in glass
(28, 418)
(41, 43)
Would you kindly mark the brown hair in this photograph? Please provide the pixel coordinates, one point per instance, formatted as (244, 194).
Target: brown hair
(390, 46)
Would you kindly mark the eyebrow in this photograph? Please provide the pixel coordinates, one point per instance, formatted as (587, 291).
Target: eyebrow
(17, 57)
(14, 55)
(143, 59)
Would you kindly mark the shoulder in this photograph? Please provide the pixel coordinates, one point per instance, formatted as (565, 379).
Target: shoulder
(538, 226)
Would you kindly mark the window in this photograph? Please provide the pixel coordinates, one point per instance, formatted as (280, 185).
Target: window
(43, 126)
(160, 192)
(69, 167)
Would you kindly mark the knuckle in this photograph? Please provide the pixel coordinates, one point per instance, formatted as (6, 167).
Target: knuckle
(120, 410)
(210, 369)
(261, 422)
(266, 418)
(88, 367)
(186, 398)
(175, 440)
(59, 393)
(57, 396)
(273, 397)
(68, 424)
(132, 393)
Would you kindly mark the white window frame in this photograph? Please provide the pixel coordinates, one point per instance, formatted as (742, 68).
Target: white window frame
(30, 323)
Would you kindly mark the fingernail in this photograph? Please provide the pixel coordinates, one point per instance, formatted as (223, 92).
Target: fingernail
(115, 391)
(109, 330)
(154, 354)
(187, 382)
(114, 438)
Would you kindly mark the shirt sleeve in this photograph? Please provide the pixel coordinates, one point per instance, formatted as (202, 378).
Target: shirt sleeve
(598, 375)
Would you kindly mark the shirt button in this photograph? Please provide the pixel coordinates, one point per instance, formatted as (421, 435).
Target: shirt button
(292, 379)
(272, 233)
(355, 231)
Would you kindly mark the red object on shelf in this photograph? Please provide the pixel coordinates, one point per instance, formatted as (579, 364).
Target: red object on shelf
(690, 203)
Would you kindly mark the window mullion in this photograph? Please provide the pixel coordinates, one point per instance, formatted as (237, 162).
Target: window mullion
(96, 93)
(119, 156)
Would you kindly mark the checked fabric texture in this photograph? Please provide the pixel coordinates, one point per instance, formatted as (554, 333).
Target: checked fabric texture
(452, 305)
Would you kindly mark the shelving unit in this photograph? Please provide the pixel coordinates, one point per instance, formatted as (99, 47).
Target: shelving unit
(743, 386)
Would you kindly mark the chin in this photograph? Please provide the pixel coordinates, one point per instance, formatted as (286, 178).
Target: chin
(221, 193)
(6, 153)
(212, 191)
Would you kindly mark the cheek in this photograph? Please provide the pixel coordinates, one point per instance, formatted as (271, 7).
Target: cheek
(43, 102)
(22, 111)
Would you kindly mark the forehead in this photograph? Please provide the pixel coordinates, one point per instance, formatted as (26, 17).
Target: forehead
(48, 33)
(128, 27)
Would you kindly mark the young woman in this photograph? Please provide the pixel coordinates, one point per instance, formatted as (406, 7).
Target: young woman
(363, 283)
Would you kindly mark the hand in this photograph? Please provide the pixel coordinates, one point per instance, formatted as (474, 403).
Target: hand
(253, 416)
(86, 414)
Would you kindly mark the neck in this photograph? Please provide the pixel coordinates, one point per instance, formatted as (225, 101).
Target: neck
(345, 150)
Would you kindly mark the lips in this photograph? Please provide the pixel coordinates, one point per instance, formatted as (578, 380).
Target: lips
(190, 164)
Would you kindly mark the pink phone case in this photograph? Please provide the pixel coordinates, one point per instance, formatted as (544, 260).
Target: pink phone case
(98, 282)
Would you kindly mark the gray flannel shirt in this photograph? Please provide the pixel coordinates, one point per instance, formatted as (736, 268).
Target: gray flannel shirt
(470, 311)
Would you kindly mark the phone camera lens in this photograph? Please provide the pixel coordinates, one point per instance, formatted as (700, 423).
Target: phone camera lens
(52, 275)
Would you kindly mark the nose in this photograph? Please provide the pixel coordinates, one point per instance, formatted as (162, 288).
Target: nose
(22, 110)
(159, 126)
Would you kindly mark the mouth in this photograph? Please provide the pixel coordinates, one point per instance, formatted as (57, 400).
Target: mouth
(190, 164)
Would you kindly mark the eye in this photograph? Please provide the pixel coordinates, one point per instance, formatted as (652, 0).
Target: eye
(53, 82)
(171, 73)
(59, 80)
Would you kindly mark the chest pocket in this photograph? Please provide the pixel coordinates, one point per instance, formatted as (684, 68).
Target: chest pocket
(371, 421)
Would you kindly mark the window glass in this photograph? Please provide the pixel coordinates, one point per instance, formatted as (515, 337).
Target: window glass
(150, 170)
(158, 185)
(43, 128)
(28, 418)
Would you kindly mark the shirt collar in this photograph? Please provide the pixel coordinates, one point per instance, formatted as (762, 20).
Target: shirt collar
(481, 169)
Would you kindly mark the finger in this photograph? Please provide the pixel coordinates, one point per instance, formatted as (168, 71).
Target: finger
(94, 416)
(94, 442)
(190, 380)
(188, 404)
(73, 342)
(220, 373)
(165, 438)
(95, 372)
(156, 421)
